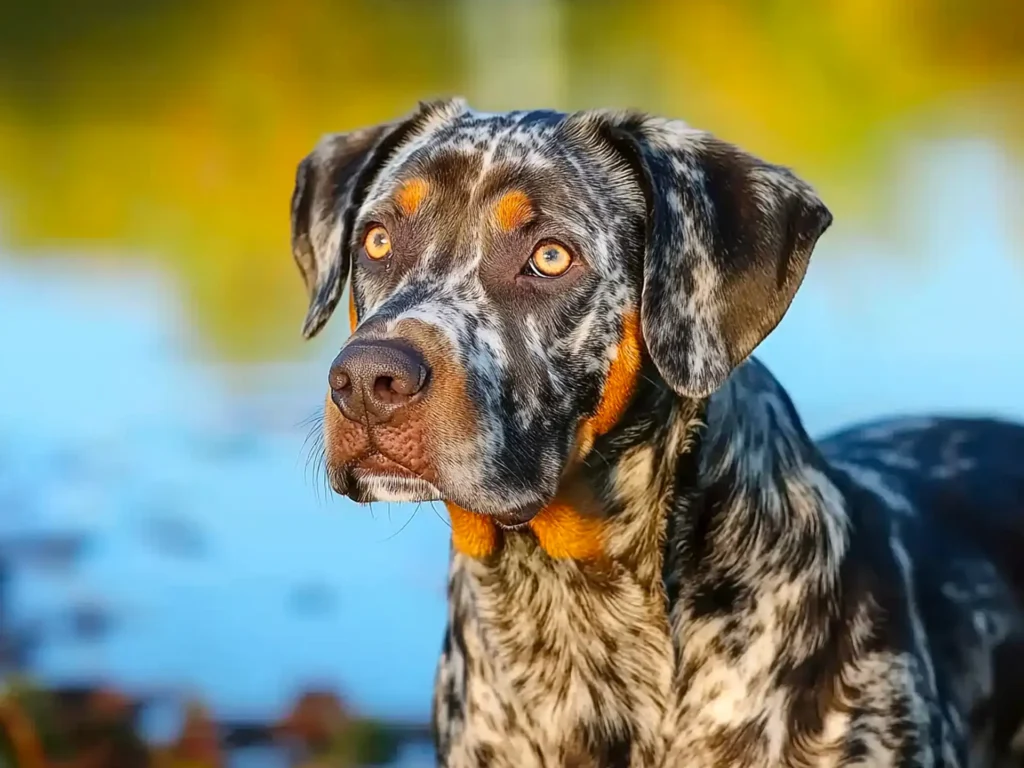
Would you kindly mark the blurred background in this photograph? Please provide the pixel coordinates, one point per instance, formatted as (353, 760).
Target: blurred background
(163, 535)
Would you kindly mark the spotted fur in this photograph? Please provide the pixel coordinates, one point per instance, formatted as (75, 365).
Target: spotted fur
(653, 564)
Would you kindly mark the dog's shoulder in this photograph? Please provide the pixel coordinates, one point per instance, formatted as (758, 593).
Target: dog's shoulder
(932, 522)
(788, 576)
(753, 425)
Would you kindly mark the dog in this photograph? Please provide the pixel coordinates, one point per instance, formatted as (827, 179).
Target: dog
(553, 318)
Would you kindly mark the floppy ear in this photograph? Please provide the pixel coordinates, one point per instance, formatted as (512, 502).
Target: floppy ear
(330, 184)
(729, 238)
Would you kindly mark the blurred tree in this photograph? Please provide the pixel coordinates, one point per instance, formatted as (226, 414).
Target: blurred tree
(99, 728)
(171, 131)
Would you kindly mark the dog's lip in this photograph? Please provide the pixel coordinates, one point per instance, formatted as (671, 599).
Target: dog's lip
(370, 465)
(377, 463)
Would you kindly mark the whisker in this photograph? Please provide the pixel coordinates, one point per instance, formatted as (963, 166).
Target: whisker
(600, 455)
(406, 525)
(315, 434)
(316, 455)
(315, 416)
(438, 515)
(649, 380)
(321, 470)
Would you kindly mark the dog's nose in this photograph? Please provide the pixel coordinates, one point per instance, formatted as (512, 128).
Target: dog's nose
(372, 381)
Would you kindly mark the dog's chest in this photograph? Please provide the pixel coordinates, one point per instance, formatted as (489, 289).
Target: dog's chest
(570, 668)
(578, 664)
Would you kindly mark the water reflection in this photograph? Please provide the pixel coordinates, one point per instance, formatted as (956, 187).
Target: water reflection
(154, 394)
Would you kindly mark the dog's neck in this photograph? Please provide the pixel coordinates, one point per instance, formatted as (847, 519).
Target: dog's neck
(677, 482)
(722, 541)
(762, 498)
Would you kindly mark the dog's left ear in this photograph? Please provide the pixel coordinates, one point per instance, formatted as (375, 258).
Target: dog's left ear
(326, 183)
(729, 238)
(330, 183)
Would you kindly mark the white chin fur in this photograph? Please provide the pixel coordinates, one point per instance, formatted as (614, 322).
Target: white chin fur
(399, 489)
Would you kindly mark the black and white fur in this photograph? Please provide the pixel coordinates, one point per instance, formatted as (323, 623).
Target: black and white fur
(762, 600)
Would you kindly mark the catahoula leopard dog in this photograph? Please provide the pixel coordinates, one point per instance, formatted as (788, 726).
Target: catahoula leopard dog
(652, 563)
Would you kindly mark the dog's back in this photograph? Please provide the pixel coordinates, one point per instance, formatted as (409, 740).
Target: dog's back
(965, 476)
(956, 486)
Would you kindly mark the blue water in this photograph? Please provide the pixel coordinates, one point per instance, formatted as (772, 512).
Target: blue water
(230, 577)
(108, 427)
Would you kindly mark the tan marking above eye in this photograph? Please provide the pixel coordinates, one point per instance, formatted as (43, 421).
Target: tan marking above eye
(513, 210)
(411, 195)
(377, 243)
(550, 259)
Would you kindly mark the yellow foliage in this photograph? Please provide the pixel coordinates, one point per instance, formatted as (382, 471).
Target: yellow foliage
(175, 137)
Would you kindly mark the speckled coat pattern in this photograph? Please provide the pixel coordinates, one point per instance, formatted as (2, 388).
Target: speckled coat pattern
(759, 598)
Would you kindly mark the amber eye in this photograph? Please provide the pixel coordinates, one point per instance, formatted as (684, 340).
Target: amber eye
(550, 260)
(377, 243)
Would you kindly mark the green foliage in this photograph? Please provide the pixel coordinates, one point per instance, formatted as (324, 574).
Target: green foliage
(173, 134)
(366, 742)
(98, 728)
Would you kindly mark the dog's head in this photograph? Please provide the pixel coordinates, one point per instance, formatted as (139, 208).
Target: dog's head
(511, 273)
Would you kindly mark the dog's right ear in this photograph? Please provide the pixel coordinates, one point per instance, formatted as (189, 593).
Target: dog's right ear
(330, 184)
(729, 238)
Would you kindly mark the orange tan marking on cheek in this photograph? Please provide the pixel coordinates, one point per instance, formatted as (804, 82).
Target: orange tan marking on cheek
(473, 535)
(561, 530)
(353, 314)
(411, 194)
(512, 211)
(621, 381)
(564, 533)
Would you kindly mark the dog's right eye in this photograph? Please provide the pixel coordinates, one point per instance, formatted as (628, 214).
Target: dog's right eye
(550, 259)
(377, 243)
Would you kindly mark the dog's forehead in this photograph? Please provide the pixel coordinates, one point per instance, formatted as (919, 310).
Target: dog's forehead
(482, 172)
(524, 136)
(483, 154)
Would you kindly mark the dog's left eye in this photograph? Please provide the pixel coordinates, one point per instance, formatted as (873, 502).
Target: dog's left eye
(549, 259)
(377, 243)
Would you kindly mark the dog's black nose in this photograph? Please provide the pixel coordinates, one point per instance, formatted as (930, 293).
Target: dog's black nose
(372, 381)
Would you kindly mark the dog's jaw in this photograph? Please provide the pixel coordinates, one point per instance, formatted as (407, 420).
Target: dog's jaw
(374, 486)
